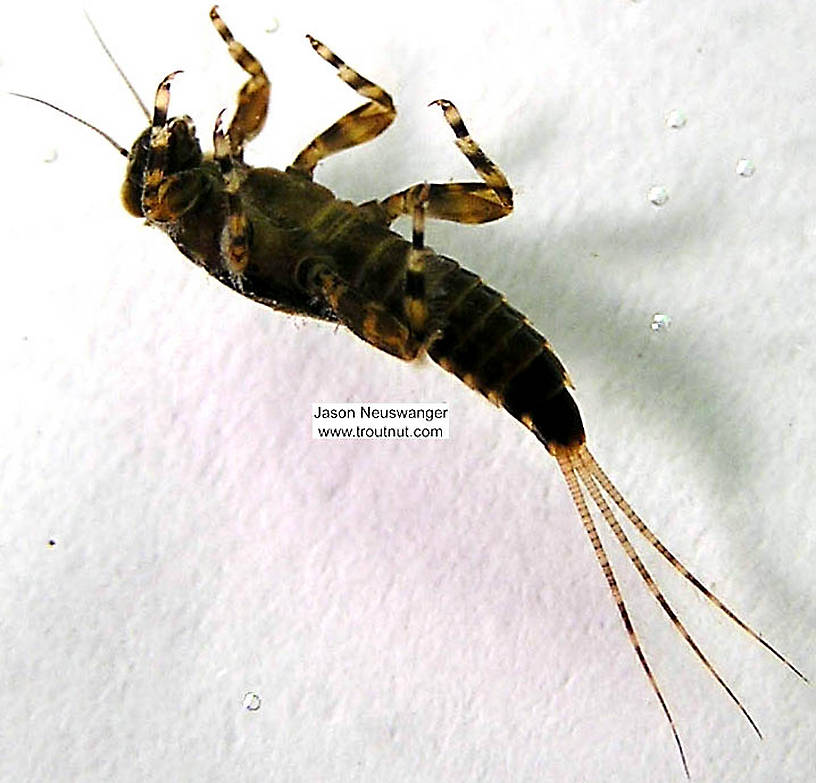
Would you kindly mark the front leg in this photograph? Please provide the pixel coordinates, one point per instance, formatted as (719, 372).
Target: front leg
(236, 233)
(167, 197)
(253, 98)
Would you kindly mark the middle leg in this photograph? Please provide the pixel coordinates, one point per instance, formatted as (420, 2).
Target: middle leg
(416, 299)
(364, 123)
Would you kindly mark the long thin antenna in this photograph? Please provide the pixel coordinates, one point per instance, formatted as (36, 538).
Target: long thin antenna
(119, 148)
(116, 65)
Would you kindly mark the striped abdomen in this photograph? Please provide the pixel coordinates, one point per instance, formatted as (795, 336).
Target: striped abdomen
(493, 348)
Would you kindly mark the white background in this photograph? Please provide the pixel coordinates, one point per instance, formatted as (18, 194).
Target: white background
(410, 611)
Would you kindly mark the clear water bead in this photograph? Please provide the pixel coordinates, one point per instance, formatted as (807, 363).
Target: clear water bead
(746, 167)
(660, 322)
(251, 701)
(658, 195)
(676, 119)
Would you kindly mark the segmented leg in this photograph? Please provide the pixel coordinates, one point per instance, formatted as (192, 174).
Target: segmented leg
(253, 97)
(369, 320)
(235, 233)
(580, 468)
(416, 305)
(159, 144)
(357, 127)
(461, 202)
(166, 197)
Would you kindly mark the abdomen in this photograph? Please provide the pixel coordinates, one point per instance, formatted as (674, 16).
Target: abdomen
(493, 348)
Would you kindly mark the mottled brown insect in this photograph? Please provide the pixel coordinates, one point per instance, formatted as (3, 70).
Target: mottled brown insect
(281, 239)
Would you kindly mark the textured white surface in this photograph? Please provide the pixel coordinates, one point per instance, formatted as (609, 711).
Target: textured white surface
(410, 611)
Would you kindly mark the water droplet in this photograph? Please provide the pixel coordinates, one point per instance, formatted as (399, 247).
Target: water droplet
(746, 167)
(660, 322)
(676, 119)
(50, 156)
(658, 195)
(273, 26)
(251, 701)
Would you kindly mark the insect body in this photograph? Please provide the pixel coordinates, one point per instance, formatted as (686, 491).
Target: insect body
(283, 240)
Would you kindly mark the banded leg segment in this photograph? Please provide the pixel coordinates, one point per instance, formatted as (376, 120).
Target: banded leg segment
(167, 197)
(369, 320)
(247, 122)
(364, 123)
(253, 97)
(461, 202)
(416, 302)
(159, 145)
(235, 234)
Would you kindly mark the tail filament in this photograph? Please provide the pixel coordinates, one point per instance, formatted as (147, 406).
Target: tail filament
(583, 474)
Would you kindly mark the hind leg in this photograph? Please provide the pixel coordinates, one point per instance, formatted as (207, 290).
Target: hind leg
(461, 202)
(368, 319)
